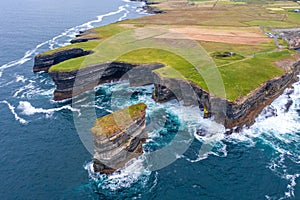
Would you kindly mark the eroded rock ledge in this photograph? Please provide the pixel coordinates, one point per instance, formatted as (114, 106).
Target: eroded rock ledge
(118, 138)
(70, 84)
(43, 62)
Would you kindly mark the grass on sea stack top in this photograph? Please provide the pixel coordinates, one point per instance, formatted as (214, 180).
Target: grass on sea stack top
(118, 120)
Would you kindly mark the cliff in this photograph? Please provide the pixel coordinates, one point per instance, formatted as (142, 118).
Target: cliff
(118, 138)
(70, 84)
(249, 72)
(233, 115)
(43, 62)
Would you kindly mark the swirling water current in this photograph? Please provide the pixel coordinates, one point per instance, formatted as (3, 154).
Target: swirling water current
(42, 156)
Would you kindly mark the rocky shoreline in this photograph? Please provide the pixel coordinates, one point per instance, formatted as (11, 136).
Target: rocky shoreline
(148, 8)
(233, 115)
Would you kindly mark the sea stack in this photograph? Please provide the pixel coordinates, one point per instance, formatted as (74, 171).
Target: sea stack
(118, 138)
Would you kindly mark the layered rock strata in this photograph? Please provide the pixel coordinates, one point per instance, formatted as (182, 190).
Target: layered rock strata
(118, 138)
(70, 84)
(233, 115)
(43, 62)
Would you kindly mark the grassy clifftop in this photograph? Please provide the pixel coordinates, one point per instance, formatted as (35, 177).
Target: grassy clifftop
(232, 33)
(118, 120)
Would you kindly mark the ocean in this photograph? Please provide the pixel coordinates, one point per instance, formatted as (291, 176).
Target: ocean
(43, 156)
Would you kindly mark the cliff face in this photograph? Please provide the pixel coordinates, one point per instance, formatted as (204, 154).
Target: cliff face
(233, 115)
(44, 62)
(118, 138)
(70, 84)
(247, 109)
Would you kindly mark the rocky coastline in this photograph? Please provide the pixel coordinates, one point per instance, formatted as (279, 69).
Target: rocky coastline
(233, 115)
(119, 139)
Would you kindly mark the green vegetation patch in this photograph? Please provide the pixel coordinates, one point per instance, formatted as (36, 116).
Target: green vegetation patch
(242, 49)
(241, 78)
(226, 57)
(270, 23)
(118, 120)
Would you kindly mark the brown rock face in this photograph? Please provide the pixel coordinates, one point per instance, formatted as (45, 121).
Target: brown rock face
(118, 138)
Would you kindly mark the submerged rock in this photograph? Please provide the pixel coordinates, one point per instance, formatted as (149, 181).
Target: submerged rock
(269, 111)
(118, 138)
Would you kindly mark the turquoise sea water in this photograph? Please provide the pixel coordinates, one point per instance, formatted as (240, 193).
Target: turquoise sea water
(42, 156)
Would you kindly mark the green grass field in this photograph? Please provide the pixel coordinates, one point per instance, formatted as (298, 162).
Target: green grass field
(251, 65)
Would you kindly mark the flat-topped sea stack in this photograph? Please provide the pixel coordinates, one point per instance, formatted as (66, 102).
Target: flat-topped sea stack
(118, 138)
(251, 45)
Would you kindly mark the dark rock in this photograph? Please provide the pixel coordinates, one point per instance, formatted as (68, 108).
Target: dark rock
(152, 10)
(269, 111)
(43, 62)
(83, 39)
(70, 84)
(288, 105)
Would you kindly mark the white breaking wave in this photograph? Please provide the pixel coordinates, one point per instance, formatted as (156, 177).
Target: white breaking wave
(24, 59)
(26, 87)
(70, 33)
(32, 90)
(134, 171)
(125, 14)
(21, 78)
(12, 109)
(27, 109)
(279, 128)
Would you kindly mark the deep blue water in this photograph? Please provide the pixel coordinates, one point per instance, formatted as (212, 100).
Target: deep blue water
(42, 156)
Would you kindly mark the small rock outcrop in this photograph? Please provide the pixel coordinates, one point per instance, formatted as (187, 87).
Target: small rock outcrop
(118, 138)
(149, 8)
(291, 36)
(43, 62)
(82, 39)
(85, 36)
